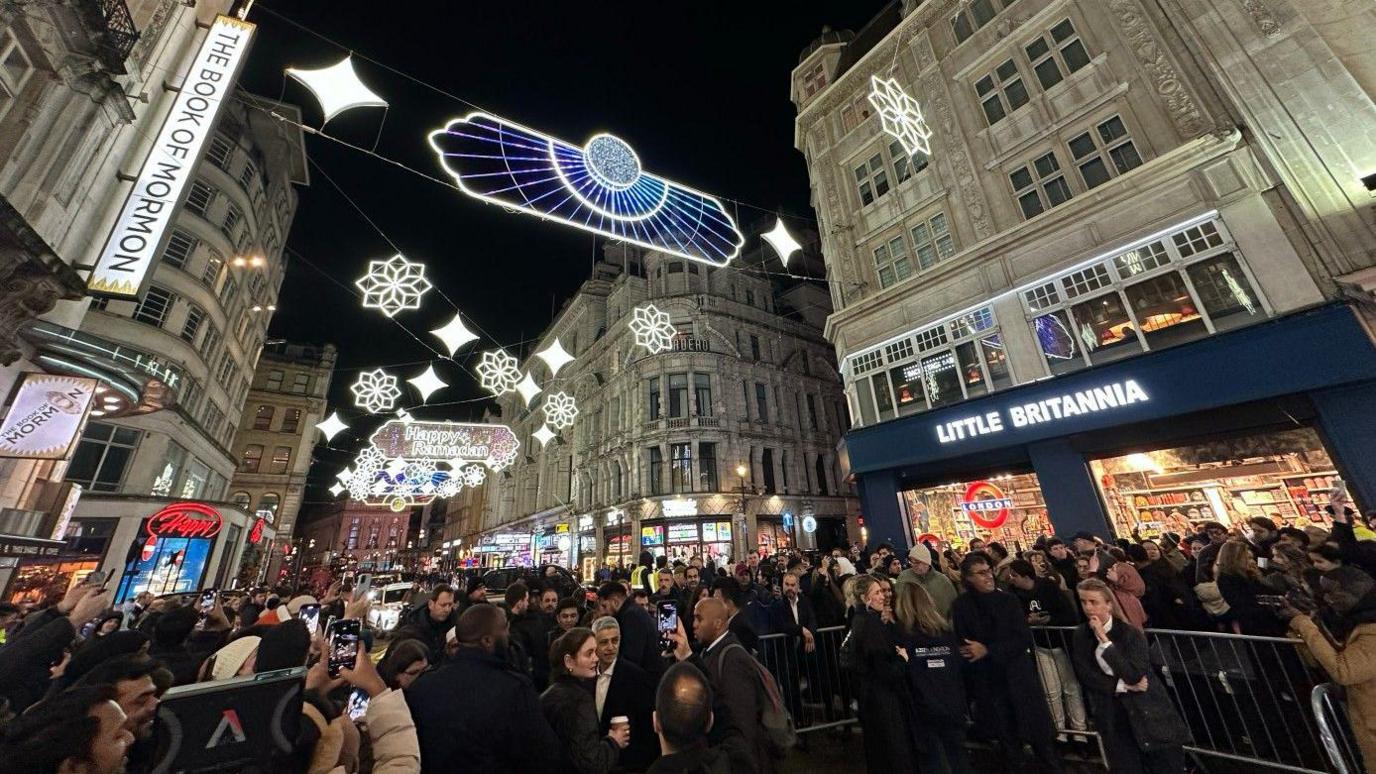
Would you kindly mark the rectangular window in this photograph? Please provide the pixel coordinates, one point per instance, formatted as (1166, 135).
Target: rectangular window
(179, 249)
(1165, 311)
(767, 466)
(1225, 292)
(745, 400)
(1056, 54)
(652, 398)
(871, 179)
(291, 420)
(200, 197)
(707, 466)
(932, 241)
(749, 297)
(247, 175)
(1001, 92)
(941, 379)
(274, 382)
(262, 419)
(882, 399)
(219, 151)
(755, 348)
(1103, 327)
(996, 360)
(102, 456)
(681, 467)
(812, 412)
(891, 262)
(761, 403)
(192, 326)
(153, 309)
(233, 216)
(702, 389)
(1105, 152)
(678, 395)
(1040, 185)
(251, 459)
(301, 384)
(813, 80)
(281, 458)
(656, 470)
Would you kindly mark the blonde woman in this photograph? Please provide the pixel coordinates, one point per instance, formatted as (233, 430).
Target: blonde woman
(937, 693)
(879, 674)
(1138, 725)
(1240, 583)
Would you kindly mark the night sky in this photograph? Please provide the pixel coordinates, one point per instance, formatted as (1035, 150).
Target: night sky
(700, 90)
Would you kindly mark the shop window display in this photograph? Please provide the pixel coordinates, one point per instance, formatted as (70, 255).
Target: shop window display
(1285, 476)
(1008, 508)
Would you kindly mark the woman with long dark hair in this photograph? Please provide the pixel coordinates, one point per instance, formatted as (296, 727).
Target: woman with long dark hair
(570, 708)
(1138, 725)
(405, 661)
(871, 654)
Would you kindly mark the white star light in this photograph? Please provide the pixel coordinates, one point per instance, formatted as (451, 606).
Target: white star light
(783, 242)
(544, 435)
(652, 328)
(427, 383)
(900, 114)
(454, 335)
(528, 388)
(474, 475)
(336, 489)
(376, 391)
(560, 410)
(331, 426)
(345, 475)
(337, 88)
(498, 372)
(393, 285)
(555, 357)
(405, 416)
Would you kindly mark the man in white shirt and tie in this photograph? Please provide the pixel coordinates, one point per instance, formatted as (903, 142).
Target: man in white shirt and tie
(623, 688)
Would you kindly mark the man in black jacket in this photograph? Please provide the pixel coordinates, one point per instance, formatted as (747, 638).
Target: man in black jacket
(622, 689)
(430, 622)
(734, 677)
(639, 638)
(791, 615)
(682, 719)
(734, 602)
(997, 645)
(1046, 605)
(504, 731)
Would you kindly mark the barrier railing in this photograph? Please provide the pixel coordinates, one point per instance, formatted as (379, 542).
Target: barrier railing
(1330, 711)
(816, 689)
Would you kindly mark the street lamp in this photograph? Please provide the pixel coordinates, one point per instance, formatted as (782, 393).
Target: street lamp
(743, 539)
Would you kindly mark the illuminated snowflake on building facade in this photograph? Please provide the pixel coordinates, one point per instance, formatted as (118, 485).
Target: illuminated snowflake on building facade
(560, 410)
(393, 285)
(375, 391)
(498, 372)
(900, 114)
(652, 328)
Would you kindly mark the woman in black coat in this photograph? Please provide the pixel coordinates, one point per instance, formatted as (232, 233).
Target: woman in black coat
(1139, 727)
(569, 707)
(880, 683)
(932, 653)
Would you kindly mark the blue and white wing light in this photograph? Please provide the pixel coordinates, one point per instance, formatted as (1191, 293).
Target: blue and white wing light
(600, 187)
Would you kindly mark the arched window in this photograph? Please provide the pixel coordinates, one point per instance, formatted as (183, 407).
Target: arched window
(269, 502)
(241, 499)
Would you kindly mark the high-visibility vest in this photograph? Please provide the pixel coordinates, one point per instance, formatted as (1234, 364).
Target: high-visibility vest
(637, 576)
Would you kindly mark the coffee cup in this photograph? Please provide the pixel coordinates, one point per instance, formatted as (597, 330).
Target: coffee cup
(621, 721)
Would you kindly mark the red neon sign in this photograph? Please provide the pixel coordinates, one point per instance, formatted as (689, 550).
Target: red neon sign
(185, 520)
(986, 505)
(255, 535)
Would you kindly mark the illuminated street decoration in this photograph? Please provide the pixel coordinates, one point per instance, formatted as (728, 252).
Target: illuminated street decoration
(600, 187)
(783, 242)
(393, 285)
(528, 389)
(375, 391)
(900, 114)
(498, 372)
(560, 410)
(555, 356)
(331, 426)
(456, 443)
(405, 416)
(544, 435)
(337, 489)
(337, 88)
(652, 328)
(455, 335)
(427, 383)
(448, 488)
(474, 475)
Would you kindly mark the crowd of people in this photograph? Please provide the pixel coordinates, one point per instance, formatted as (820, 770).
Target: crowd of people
(1044, 646)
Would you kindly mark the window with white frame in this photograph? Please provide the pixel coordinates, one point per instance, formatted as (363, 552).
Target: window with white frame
(194, 316)
(200, 197)
(899, 350)
(15, 70)
(214, 264)
(871, 180)
(932, 241)
(153, 308)
(1056, 53)
(974, 14)
(1001, 92)
(1169, 291)
(102, 456)
(233, 216)
(1039, 186)
(247, 175)
(221, 148)
(855, 113)
(1103, 152)
(179, 249)
(891, 262)
(814, 80)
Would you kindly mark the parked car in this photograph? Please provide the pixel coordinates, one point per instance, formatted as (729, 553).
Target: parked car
(565, 582)
(389, 605)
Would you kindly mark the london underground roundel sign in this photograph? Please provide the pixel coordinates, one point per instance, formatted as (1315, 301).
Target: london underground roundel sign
(185, 520)
(986, 505)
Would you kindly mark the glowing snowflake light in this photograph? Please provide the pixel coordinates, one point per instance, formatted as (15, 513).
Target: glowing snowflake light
(555, 356)
(375, 391)
(652, 328)
(455, 335)
(337, 88)
(427, 383)
(371, 457)
(498, 372)
(419, 472)
(900, 114)
(448, 488)
(560, 410)
(474, 475)
(783, 242)
(393, 285)
(331, 426)
(528, 388)
(544, 435)
(600, 187)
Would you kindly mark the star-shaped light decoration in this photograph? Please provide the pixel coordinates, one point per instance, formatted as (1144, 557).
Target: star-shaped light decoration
(544, 435)
(528, 388)
(783, 242)
(900, 115)
(336, 489)
(375, 391)
(652, 328)
(393, 285)
(560, 410)
(337, 88)
(331, 426)
(345, 475)
(498, 372)
(427, 383)
(405, 416)
(474, 475)
(555, 356)
(455, 335)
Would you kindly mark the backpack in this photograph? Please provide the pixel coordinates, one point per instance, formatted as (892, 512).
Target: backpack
(774, 716)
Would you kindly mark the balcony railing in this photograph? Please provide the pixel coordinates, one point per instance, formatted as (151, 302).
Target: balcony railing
(120, 34)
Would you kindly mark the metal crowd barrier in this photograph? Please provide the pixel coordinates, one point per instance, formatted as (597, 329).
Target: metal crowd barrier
(1253, 700)
(814, 686)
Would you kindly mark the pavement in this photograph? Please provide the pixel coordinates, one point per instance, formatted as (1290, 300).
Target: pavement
(841, 751)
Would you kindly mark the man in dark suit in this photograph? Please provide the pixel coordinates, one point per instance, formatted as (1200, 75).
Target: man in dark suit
(735, 680)
(734, 601)
(623, 689)
(792, 616)
(639, 638)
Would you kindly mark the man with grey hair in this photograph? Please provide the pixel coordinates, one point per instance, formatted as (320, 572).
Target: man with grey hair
(623, 690)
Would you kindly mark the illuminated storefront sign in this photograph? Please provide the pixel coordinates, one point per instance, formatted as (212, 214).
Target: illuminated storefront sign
(143, 225)
(809, 524)
(455, 442)
(185, 520)
(986, 505)
(1053, 409)
(674, 508)
(46, 416)
(255, 535)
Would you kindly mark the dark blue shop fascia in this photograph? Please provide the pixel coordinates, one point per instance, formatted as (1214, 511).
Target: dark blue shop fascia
(1322, 359)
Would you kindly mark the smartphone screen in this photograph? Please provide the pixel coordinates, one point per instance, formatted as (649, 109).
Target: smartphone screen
(96, 578)
(310, 616)
(357, 706)
(363, 585)
(667, 619)
(343, 644)
(208, 600)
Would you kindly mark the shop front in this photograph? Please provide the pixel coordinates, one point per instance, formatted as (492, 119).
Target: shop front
(1258, 421)
(708, 537)
(186, 546)
(48, 571)
(554, 545)
(616, 539)
(505, 549)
